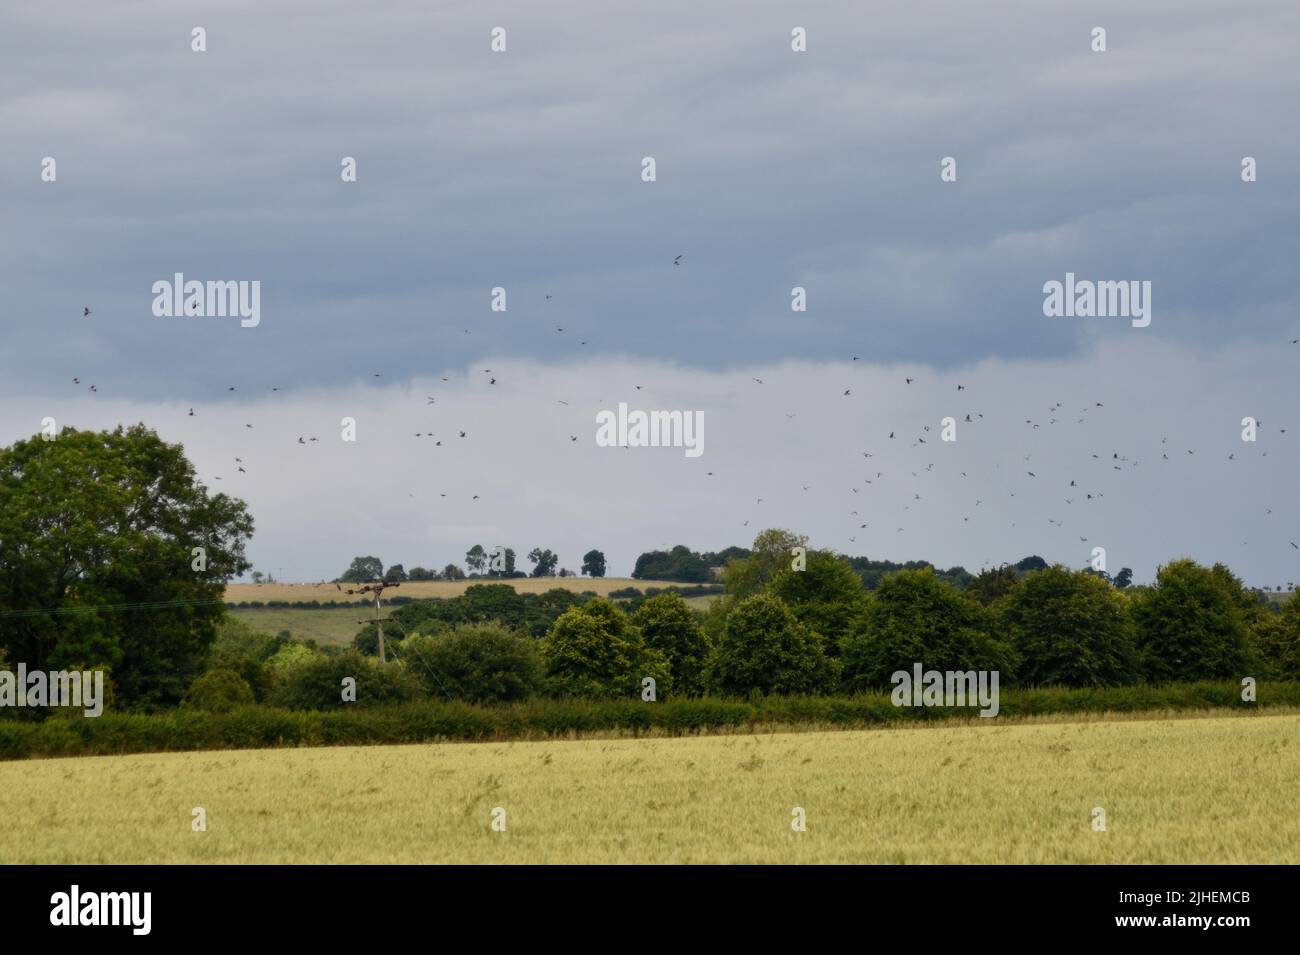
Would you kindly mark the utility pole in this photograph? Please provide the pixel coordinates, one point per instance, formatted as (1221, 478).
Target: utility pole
(377, 589)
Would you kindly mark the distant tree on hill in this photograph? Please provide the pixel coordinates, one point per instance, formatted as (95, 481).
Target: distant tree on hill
(593, 563)
(720, 558)
(363, 570)
(544, 562)
(509, 562)
(422, 573)
(396, 573)
(1124, 578)
(1031, 563)
(452, 572)
(475, 558)
(680, 563)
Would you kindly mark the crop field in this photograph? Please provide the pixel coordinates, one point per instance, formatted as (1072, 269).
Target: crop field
(601, 586)
(1211, 790)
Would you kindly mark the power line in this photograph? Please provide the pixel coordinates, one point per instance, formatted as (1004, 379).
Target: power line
(114, 608)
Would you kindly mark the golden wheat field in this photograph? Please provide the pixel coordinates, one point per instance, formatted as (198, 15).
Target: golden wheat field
(1218, 790)
(601, 586)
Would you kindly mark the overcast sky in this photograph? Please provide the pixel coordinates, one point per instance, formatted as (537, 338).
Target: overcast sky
(775, 169)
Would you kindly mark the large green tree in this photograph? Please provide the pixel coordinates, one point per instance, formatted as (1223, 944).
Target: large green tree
(824, 592)
(1193, 623)
(668, 625)
(112, 553)
(765, 648)
(595, 651)
(914, 617)
(1070, 628)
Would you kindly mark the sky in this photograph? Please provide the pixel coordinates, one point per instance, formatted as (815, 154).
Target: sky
(774, 169)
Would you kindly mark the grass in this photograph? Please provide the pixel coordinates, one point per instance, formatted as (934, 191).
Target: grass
(439, 588)
(332, 625)
(1212, 790)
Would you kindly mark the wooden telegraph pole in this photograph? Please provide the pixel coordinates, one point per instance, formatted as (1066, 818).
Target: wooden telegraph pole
(377, 589)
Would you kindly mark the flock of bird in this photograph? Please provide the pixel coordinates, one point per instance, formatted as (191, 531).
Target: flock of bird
(1070, 493)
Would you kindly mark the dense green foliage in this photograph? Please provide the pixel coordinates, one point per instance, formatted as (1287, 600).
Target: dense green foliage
(595, 651)
(1070, 628)
(479, 662)
(114, 519)
(670, 627)
(680, 563)
(915, 617)
(1193, 623)
(765, 648)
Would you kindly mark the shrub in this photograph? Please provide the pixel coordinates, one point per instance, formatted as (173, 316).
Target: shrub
(318, 684)
(594, 651)
(765, 648)
(218, 691)
(479, 662)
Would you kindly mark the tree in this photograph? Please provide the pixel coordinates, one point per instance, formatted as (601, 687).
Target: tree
(991, 585)
(771, 553)
(669, 626)
(594, 651)
(1031, 563)
(258, 576)
(544, 562)
(421, 573)
(396, 573)
(1193, 623)
(114, 520)
(478, 662)
(452, 572)
(765, 648)
(363, 570)
(1124, 578)
(1070, 628)
(915, 617)
(475, 558)
(509, 562)
(826, 596)
(680, 564)
(1275, 640)
(593, 563)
